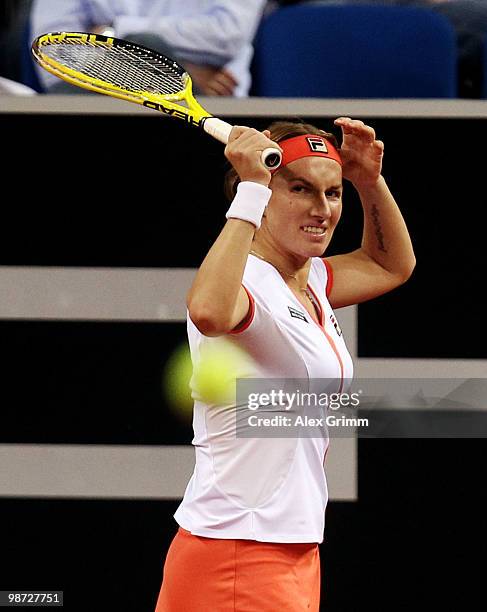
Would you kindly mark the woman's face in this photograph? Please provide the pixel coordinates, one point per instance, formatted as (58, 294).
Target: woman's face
(305, 206)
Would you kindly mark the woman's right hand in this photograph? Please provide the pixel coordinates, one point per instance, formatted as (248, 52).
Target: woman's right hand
(244, 150)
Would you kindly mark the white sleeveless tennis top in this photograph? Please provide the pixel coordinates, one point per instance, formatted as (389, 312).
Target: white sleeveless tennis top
(267, 489)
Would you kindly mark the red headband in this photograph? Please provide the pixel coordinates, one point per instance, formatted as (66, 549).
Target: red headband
(308, 145)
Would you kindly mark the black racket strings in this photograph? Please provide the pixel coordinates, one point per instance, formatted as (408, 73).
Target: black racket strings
(130, 67)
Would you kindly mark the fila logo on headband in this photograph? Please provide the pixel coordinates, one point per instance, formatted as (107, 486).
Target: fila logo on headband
(306, 145)
(317, 144)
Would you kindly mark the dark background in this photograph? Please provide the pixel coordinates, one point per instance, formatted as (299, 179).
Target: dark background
(136, 191)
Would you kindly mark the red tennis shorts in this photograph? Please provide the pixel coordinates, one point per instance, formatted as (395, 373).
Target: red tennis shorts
(215, 575)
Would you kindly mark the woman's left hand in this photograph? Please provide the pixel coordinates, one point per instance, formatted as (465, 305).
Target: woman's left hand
(361, 153)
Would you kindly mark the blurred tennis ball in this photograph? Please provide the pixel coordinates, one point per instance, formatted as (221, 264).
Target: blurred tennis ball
(215, 374)
(213, 379)
(176, 381)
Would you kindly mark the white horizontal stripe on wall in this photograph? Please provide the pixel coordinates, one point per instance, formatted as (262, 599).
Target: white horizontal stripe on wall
(252, 107)
(56, 470)
(112, 294)
(130, 472)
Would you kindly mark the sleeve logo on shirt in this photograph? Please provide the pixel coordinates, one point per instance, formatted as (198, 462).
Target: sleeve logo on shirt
(297, 314)
(317, 144)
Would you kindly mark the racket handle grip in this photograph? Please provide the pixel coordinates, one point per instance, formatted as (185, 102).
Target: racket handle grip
(217, 128)
(271, 158)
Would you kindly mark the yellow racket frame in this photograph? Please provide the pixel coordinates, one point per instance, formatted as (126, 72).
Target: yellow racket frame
(192, 114)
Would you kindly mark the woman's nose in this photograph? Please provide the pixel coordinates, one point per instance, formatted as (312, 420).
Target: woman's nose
(324, 205)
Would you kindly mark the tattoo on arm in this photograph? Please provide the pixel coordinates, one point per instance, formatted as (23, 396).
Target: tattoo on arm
(378, 229)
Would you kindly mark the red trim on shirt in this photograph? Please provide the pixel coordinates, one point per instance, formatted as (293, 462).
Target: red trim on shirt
(329, 276)
(321, 325)
(249, 317)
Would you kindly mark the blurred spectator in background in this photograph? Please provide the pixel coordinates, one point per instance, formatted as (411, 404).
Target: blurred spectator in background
(14, 88)
(212, 39)
(13, 17)
(469, 19)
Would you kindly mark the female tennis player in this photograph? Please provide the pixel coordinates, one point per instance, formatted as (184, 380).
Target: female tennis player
(253, 512)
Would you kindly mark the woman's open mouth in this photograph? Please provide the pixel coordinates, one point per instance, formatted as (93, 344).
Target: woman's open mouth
(312, 230)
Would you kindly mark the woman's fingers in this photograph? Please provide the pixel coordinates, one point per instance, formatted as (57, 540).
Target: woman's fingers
(244, 151)
(250, 138)
(355, 127)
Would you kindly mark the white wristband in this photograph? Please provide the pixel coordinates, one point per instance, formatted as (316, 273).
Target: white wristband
(250, 202)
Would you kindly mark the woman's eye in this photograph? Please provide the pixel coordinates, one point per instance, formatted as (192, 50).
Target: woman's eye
(333, 194)
(298, 188)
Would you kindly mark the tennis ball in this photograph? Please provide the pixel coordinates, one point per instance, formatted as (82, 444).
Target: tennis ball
(220, 363)
(176, 381)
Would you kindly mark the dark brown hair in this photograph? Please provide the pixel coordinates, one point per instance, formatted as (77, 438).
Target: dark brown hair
(280, 130)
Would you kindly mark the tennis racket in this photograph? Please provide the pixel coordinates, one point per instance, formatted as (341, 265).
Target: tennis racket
(131, 72)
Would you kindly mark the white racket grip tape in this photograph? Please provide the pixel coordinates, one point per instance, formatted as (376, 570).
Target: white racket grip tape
(250, 202)
(271, 158)
(217, 128)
